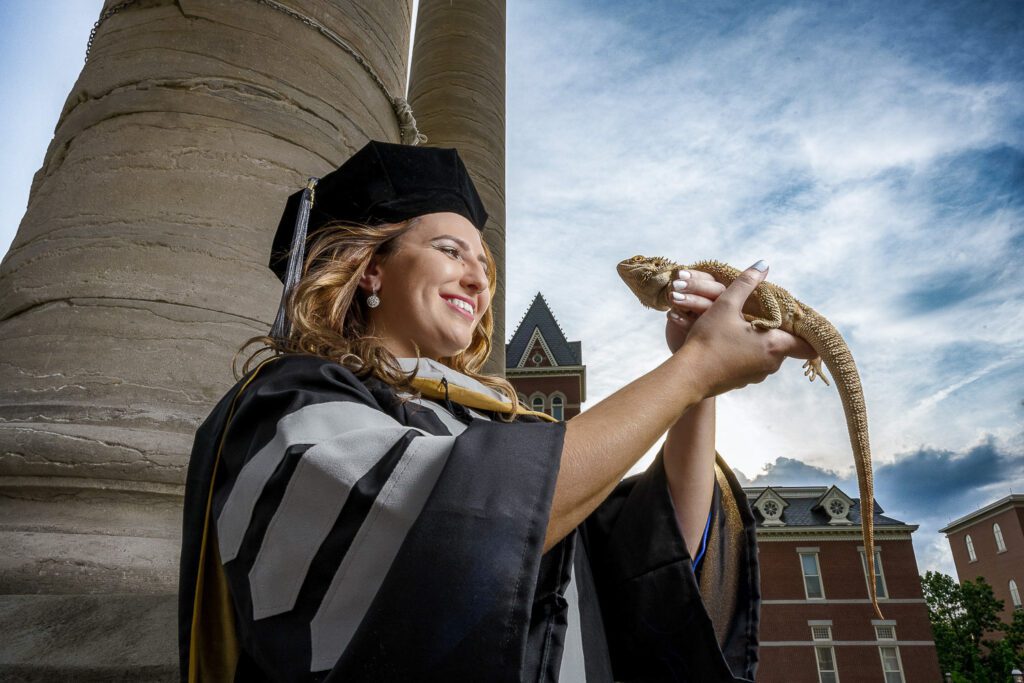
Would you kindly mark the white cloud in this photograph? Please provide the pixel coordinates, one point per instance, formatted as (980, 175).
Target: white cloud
(786, 138)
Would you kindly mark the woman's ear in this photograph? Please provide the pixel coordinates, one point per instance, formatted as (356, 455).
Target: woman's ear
(370, 280)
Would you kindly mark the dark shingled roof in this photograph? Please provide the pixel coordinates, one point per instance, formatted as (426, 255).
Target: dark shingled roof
(539, 316)
(799, 512)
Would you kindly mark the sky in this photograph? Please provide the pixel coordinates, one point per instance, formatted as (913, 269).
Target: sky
(871, 152)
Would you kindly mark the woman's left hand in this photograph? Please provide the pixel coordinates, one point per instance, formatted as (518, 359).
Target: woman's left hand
(698, 290)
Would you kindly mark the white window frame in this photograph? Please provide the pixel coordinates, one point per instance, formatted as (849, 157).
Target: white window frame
(835, 667)
(557, 396)
(804, 576)
(543, 402)
(1015, 594)
(998, 533)
(819, 625)
(883, 593)
(971, 555)
(880, 635)
(899, 662)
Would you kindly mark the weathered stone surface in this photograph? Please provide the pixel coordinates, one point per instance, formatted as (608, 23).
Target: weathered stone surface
(90, 638)
(457, 89)
(138, 270)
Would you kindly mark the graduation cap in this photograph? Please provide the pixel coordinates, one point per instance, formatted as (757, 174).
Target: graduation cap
(381, 183)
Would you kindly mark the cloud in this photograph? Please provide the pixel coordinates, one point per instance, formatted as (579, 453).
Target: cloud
(928, 487)
(871, 152)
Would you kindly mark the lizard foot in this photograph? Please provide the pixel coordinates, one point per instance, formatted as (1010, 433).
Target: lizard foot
(812, 369)
(761, 323)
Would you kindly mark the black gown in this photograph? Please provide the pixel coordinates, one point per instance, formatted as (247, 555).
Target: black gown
(358, 535)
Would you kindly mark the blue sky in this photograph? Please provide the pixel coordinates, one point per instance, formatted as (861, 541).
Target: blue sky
(871, 152)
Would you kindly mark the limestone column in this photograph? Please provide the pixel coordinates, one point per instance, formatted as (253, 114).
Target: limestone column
(457, 89)
(137, 271)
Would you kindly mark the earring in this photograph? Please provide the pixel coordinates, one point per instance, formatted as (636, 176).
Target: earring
(373, 301)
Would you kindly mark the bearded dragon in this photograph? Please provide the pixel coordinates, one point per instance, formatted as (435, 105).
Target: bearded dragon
(772, 307)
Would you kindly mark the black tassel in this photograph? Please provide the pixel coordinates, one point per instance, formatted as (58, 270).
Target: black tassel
(281, 327)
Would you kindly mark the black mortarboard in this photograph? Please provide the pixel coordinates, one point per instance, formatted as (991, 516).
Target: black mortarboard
(381, 183)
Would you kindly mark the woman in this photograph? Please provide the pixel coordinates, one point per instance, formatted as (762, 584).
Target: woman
(365, 505)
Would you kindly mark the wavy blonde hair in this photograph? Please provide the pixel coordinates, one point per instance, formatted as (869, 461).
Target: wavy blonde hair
(330, 321)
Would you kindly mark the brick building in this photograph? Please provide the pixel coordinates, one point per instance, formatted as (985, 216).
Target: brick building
(545, 368)
(817, 622)
(989, 542)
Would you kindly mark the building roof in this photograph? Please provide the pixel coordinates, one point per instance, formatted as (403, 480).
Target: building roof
(803, 508)
(539, 317)
(1012, 500)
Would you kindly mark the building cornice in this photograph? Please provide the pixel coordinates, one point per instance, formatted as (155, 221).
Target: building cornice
(997, 508)
(832, 533)
(577, 371)
(546, 370)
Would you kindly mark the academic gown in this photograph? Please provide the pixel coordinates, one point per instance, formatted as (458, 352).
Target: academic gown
(335, 530)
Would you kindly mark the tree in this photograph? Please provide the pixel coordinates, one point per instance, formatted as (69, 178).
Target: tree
(961, 616)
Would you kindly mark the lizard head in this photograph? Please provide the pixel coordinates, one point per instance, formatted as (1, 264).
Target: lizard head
(647, 277)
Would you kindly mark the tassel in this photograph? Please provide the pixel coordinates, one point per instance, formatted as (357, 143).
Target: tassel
(281, 327)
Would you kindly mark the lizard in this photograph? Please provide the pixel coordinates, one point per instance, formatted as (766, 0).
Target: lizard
(772, 307)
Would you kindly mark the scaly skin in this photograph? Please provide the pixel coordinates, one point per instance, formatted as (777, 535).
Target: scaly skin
(772, 307)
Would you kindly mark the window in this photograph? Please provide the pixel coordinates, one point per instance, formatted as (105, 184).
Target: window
(1000, 543)
(538, 404)
(891, 666)
(557, 408)
(1014, 594)
(821, 633)
(970, 548)
(812, 576)
(885, 632)
(879, 576)
(826, 664)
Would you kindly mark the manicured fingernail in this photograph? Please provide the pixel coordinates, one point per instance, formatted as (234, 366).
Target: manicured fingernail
(760, 265)
(678, 298)
(675, 316)
(684, 274)
(679, 284)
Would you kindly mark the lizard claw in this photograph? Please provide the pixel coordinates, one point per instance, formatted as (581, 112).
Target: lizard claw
(813, 370)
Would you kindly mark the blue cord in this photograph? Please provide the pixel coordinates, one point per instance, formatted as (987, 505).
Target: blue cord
(703, 544)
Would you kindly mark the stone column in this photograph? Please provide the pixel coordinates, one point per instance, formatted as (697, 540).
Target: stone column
(137, 272)
(457, 89)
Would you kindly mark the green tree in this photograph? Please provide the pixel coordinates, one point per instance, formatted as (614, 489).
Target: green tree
(961, 615)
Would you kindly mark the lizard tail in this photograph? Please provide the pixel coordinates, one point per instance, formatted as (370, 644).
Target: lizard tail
(825, 339)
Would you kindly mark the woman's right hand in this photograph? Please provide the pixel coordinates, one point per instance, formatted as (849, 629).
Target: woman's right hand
(727, 351)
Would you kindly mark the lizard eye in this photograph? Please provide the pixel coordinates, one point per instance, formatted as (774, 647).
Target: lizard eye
(637, 259)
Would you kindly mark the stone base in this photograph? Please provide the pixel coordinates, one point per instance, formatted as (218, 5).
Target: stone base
(87, 638)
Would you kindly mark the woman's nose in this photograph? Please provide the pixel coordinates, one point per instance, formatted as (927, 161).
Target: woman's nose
(475, 276)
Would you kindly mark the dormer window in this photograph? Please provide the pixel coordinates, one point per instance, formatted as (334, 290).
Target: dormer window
(770, 505)
(836, 505)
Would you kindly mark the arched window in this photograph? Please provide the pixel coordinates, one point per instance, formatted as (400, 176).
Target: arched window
(538, 404)
(1000, 543)
(1014, 594)
(557, 408)
(970, 548)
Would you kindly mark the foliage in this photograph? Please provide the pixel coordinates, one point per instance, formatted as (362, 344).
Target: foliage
(965, 622)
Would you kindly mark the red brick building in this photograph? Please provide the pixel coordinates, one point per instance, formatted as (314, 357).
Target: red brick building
(989, 542)
(545, 368)
(817, 622)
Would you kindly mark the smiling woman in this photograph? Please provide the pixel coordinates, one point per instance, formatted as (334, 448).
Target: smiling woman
(365, 504)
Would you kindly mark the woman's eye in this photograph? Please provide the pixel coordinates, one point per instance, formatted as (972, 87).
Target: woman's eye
(451, 251)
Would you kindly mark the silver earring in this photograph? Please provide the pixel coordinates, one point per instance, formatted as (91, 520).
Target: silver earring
(373, 301)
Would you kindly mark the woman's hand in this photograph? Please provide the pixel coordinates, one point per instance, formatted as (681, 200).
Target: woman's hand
(691, 293)
(727, 351)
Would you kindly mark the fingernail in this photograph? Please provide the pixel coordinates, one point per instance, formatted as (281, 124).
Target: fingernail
(678, 298)
(675, 316)
(679, 284)
(684, 274)
(760, 266)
